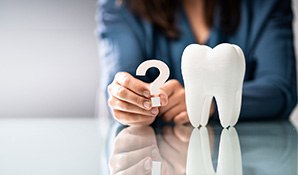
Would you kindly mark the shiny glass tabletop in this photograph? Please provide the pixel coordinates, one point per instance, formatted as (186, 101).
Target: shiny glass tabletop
(90, 146)
(249, 148)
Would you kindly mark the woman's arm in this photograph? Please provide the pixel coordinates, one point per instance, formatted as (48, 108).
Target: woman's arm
(122, 48)
(272, 92)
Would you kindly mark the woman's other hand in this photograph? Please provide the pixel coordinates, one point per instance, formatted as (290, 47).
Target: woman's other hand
(129, 99)
(175, 110)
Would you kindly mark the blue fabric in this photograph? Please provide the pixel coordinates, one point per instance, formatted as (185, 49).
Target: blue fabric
(264, 34)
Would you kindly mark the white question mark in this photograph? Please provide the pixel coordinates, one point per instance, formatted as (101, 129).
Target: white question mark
(164, 73)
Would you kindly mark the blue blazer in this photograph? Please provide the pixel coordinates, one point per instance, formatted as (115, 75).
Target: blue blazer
(264, 34)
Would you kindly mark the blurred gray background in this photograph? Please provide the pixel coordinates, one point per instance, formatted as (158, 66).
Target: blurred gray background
(48, 58)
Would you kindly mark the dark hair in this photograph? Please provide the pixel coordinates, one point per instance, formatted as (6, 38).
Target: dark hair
(162, 14)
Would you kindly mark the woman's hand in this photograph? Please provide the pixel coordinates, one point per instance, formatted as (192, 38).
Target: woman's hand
(129, 99)
(176, 108)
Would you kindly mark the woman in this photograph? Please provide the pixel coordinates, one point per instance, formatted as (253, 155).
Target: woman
(132, 31)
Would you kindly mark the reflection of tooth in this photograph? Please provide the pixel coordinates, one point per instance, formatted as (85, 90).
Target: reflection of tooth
(209, 73)
(229, 153)
(199, 159)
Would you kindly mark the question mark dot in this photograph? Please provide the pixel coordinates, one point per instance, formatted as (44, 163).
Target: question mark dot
(155, 101)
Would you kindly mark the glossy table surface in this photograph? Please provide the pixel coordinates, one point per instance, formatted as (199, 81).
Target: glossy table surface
(80, 146)
(250, 148)
(50, 146)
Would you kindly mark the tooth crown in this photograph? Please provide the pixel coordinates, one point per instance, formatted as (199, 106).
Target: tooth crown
(208, 73)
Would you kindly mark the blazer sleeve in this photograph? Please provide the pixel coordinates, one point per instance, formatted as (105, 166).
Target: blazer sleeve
(272, 93)
(120, 44)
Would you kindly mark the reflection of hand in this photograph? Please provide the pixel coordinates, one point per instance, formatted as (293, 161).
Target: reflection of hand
(173, 145)
(133, 151)
(129, 99)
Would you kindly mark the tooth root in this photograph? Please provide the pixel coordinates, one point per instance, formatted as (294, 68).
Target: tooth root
(237, 107)
(225, 106)
(198, 114)
(194, 107)
(206, 110)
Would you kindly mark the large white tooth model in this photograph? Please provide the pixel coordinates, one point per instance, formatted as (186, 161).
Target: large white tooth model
(208, 73)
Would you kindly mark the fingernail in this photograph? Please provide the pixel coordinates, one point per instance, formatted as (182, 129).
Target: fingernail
(147, 104)
(146, 94)
(154, 111)
(147, 165)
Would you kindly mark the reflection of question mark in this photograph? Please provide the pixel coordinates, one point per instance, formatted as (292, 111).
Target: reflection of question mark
(164, 74)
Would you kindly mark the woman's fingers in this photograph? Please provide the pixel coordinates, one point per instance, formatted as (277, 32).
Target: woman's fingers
(137, 86)
(124, 106)
(181, 118)
(175, 94)
(133, 119)
(174, 100)
(174, 107)
(127, 95)
(127, 88)
(171, 86)
(173, 112)
(130, 100)
(163, 97)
